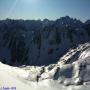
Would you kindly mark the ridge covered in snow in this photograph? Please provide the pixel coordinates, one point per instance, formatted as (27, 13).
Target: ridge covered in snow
(70, 71)
(53, 77)
(45, 54)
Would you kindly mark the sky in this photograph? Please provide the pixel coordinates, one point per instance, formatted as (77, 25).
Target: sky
(41, 9)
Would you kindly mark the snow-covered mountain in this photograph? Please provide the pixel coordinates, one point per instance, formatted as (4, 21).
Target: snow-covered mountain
(71, 72)
(72, 69)
(48, 54)
(36, 42)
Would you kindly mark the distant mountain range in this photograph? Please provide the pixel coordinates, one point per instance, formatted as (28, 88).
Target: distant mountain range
(36, 42)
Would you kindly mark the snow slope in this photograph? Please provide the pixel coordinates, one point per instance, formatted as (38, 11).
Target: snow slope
(65, 75)
(9, 78)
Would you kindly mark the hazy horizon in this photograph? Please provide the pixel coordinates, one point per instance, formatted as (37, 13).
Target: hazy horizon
(41, 9)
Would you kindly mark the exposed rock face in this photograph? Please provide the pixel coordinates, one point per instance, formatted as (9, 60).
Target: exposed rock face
(38, 42)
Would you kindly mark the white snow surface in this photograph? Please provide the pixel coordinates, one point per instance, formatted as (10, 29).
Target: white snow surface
(60, 76)
(9, 78)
